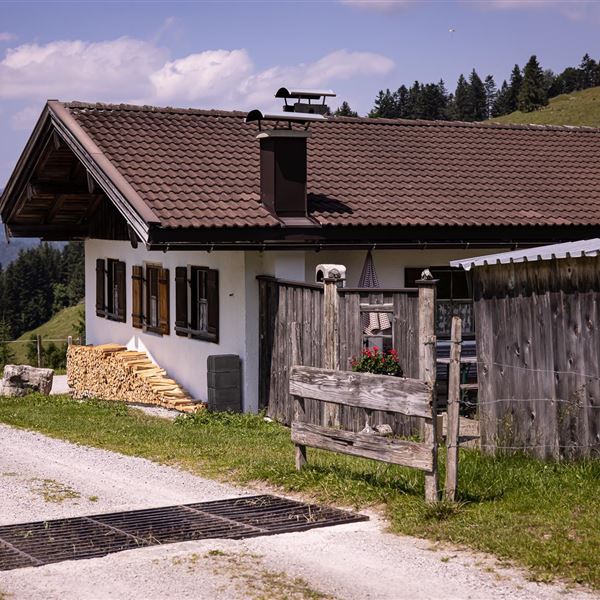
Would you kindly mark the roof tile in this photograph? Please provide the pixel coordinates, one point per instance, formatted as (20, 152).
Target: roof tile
(201, 169)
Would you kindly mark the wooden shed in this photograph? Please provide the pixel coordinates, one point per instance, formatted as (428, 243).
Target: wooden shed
(537, 323)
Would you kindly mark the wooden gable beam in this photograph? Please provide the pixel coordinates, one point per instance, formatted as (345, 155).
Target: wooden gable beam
(54, 209)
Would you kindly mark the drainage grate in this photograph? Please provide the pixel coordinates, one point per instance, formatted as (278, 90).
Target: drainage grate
(43, 542)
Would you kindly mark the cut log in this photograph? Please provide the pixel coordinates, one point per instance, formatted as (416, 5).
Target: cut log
(111, 372)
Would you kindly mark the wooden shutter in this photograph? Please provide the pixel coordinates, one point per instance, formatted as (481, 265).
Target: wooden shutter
(100, 287)
(136, 296)
(163, 301)
(181, 300)
(121, 293)
(212, 296)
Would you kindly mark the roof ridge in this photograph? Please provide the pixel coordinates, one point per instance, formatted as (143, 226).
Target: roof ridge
(151, 108)
(337, 119)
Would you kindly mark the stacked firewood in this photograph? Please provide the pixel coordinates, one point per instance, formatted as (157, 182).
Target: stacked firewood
(111, 372)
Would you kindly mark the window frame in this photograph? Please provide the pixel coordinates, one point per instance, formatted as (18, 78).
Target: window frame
(147, 326)
(112, 290)
(193, 296)
(452, 301)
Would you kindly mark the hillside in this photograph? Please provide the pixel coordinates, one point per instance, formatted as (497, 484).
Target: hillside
(61, 325)
(577, 108)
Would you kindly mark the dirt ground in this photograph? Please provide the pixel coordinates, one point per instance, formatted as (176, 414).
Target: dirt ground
(43, 478)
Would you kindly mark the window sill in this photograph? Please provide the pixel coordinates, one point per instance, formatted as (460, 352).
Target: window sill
(155, 330)
(116, 318)
(196, 334)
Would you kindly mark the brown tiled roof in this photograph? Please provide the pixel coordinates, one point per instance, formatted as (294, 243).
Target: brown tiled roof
(199, 168)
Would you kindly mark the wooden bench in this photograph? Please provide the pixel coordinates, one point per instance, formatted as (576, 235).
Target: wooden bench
(411, 397)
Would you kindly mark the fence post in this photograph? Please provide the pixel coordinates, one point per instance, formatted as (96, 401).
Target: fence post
(69, 340)
(453, 411)
(38, 343)
(331, 412)
(427, 372)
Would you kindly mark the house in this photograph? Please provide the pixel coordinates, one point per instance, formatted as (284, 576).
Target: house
(182, 209)
(537, 313)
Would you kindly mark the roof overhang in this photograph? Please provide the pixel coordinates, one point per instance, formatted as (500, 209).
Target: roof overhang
(576, 249)
(56, 125)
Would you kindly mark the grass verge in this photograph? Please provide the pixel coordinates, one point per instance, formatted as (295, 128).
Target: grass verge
(542, 516)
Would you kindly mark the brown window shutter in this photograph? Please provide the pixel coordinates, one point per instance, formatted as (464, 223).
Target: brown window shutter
(136, 296)
(163, 301)
(100, 283)
(181, 300)
(212, 296)
(121, 293)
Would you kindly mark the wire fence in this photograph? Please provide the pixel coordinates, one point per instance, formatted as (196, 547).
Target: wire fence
(41, 351)
(561, 421)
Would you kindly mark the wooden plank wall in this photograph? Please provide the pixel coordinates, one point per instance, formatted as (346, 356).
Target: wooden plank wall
(291, 317)
(538, 343)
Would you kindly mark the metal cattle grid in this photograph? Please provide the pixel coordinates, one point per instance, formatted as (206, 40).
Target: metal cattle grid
(44, 542)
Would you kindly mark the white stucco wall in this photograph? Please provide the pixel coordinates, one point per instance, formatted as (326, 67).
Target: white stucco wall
(185, 359)
(389, 264)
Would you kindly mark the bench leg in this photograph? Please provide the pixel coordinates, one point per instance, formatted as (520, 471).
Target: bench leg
(300, 456)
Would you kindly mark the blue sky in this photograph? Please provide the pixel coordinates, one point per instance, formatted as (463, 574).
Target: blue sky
(235, 54)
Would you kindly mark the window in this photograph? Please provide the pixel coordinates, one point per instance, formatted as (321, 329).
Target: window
(150, 293)
(197, 303)
(110, 289)
(377, 330)
(453, 298)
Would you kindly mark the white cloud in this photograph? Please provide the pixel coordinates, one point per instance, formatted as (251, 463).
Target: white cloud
(130, 70)
(213, 74)
(382, 6)
(102, 71)
(575, 10)
(341, 65)
(6, 36)
(25, 119)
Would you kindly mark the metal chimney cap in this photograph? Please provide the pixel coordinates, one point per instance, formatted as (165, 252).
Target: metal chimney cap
(259, 115)
(307, 94)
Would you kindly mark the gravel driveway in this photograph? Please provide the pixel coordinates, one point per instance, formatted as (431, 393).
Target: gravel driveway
(44, 478)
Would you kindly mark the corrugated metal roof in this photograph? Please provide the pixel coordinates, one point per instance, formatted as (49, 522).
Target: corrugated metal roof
(566, 250)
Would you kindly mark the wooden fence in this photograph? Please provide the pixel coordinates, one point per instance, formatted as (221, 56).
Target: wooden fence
(412, 397)
(538, 346)
(291, 322)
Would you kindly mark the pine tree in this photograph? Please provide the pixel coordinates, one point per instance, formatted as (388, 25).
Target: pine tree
(462, 101)
(402, 102)
(490, 95)
(344, 110)
(516, 80)
(477, 98)
(587, 72)
(414, 103)
(533, 93)
(502, 102)
(385, 105)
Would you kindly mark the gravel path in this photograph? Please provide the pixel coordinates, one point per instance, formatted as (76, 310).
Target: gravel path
(45, 478)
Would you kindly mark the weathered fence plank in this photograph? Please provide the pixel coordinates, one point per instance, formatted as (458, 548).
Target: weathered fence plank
(363, 390)
(399, 452)
(538, 343)
(276, 315)
(452, 435)
(427, 372)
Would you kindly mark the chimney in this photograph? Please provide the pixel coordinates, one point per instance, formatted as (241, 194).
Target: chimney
(283, 172)
(283, 154)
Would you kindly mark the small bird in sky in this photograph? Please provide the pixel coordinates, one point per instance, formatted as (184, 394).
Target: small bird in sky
(451, 30)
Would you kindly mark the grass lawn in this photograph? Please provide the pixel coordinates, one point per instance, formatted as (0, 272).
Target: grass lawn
(576, 108)
(539, 515)
(60, 326)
